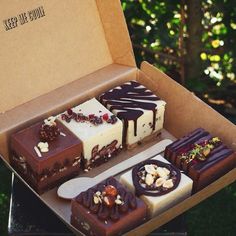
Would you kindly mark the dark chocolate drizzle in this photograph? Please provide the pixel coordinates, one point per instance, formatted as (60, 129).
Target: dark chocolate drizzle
(129, 99)
(102, 211)
(154, 191)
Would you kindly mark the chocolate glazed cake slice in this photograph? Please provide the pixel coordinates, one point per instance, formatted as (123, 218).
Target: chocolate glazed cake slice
(203, 158)
(46, 154)
(107, 209)
(141, 111)
(219, 162)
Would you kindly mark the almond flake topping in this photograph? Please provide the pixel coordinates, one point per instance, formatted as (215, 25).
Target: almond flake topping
(43, 147)
(37, 151)
(168, 183)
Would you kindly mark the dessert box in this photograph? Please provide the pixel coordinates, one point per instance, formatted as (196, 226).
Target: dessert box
(56, 55)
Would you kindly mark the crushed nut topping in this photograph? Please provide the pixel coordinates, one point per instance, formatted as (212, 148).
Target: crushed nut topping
(49, 130)
(43, 147)
(109, 196)
(200, 151)
(154, 176)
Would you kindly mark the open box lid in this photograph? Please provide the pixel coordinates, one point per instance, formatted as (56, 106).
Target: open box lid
(71, 39)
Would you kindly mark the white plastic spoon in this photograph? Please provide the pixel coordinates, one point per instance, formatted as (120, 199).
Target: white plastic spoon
(73, 187)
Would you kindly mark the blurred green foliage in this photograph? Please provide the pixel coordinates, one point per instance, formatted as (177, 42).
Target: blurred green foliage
(159, 34)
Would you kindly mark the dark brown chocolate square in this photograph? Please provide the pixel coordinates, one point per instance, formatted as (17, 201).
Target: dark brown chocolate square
(62, 161)
(107, 209)
(202, 157)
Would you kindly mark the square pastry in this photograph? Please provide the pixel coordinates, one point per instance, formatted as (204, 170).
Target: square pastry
(158, 183)
(98, 129)
(140, 110)
(203, 157)
(107, 209)
(46, 154)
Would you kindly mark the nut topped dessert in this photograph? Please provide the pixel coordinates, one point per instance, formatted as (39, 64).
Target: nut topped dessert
(107, 209)
(202, 156)
(98, 129)
(158, 183)
(141, 111)
(155, 178)
(46, 154)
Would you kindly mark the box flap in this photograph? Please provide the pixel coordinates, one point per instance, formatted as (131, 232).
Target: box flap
(47, 44)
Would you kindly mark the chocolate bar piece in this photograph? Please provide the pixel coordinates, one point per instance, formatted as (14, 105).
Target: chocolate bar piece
(107, 209)
(46, 154)
(204, 158)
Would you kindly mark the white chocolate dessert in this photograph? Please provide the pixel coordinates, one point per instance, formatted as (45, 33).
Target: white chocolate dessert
(159, 184)
(140, 110)
(98, 129)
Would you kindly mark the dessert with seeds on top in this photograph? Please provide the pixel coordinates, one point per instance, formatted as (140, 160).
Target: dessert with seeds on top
(159, 184)
(141, 111)
(99, 130)
(46, 154)
(203, 157)
(107, 209)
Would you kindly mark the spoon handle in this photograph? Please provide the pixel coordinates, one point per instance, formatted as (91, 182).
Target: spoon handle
(124, 165)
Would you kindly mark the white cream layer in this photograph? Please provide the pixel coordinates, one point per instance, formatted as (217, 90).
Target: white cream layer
(159, 204)
(145, 121)
(91, 135)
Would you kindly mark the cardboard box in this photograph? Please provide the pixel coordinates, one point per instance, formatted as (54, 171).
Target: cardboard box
(56, 54)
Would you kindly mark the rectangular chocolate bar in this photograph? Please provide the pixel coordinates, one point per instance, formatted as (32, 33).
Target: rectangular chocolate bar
(202, 157)
(46, 154)
(107, 209)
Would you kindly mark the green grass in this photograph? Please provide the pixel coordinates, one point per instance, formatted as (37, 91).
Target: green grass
(214, 216)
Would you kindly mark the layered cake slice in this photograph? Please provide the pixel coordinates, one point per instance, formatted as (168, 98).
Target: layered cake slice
(141, 111)
(46, 154)
(204, 158)
(99, 130)
(158, 183)
(107, 209)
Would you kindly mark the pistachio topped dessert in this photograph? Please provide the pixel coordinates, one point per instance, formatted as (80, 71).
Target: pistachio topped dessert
(203, 157)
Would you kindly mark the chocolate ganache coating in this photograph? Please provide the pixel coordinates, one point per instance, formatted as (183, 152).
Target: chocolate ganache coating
(130, 99)
(108, 200)
(139, 176)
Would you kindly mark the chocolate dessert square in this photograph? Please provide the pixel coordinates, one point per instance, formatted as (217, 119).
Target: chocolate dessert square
(107, 209)
(46, 154)
(158, 183)
(202, 157)
(98, 129)
(141, 111)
